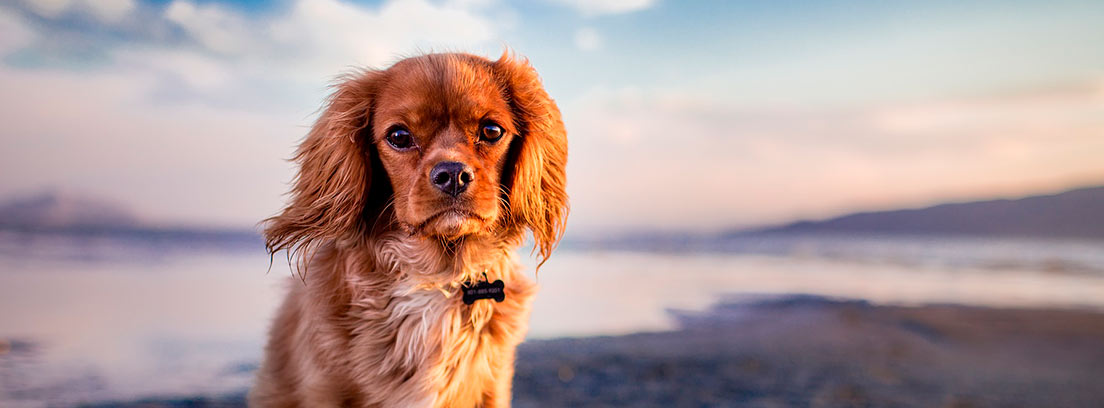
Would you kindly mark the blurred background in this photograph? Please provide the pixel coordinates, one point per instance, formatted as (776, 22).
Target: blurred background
(831, 203)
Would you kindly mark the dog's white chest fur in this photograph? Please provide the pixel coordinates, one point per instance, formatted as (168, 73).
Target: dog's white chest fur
(444, 351)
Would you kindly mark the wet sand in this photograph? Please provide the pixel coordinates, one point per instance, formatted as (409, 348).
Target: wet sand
(807, 351)
(812, 351)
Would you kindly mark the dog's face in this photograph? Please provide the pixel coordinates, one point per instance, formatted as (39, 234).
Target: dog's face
(443, 130)
(467, 146)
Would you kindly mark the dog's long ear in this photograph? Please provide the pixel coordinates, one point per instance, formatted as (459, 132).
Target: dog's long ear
(537, 177)
(328, 197)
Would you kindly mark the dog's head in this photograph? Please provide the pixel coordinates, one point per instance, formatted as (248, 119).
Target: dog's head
(445, 146)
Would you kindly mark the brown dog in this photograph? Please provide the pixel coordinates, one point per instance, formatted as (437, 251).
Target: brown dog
(416, 181)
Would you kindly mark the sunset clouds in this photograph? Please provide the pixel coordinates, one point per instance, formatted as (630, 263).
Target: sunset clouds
(700, 161)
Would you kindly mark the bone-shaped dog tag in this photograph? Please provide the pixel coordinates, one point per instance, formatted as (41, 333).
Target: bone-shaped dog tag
(484, 290)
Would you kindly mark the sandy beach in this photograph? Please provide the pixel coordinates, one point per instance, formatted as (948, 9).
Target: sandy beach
(813, 351)
(808, 351)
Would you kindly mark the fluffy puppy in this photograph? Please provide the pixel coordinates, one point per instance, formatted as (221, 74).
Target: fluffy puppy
(415, 181)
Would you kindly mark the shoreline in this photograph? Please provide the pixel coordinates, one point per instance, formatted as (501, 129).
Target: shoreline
(805, 350)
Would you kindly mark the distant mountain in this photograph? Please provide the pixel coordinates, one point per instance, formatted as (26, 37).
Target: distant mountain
(54, 211)
(1072, 214)
(70, 214)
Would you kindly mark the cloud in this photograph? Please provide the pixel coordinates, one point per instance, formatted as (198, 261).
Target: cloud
(669, 160)
(13, 33)
(50, 8)
(600, 7)
(110, 10)
(336, 31)
(212, 26)
(105, 10)
(303, 39)
(588, 39)
(322, 37)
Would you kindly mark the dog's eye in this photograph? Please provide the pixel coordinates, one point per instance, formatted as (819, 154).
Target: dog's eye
(400, 139)
(490, 133)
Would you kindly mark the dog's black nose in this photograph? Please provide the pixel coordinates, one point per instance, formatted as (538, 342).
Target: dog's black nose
(451, 177)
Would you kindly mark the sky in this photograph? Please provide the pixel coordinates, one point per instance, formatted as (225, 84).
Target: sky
(681, 116)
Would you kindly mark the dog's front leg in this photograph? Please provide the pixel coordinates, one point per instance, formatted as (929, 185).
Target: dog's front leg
(499, 393)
